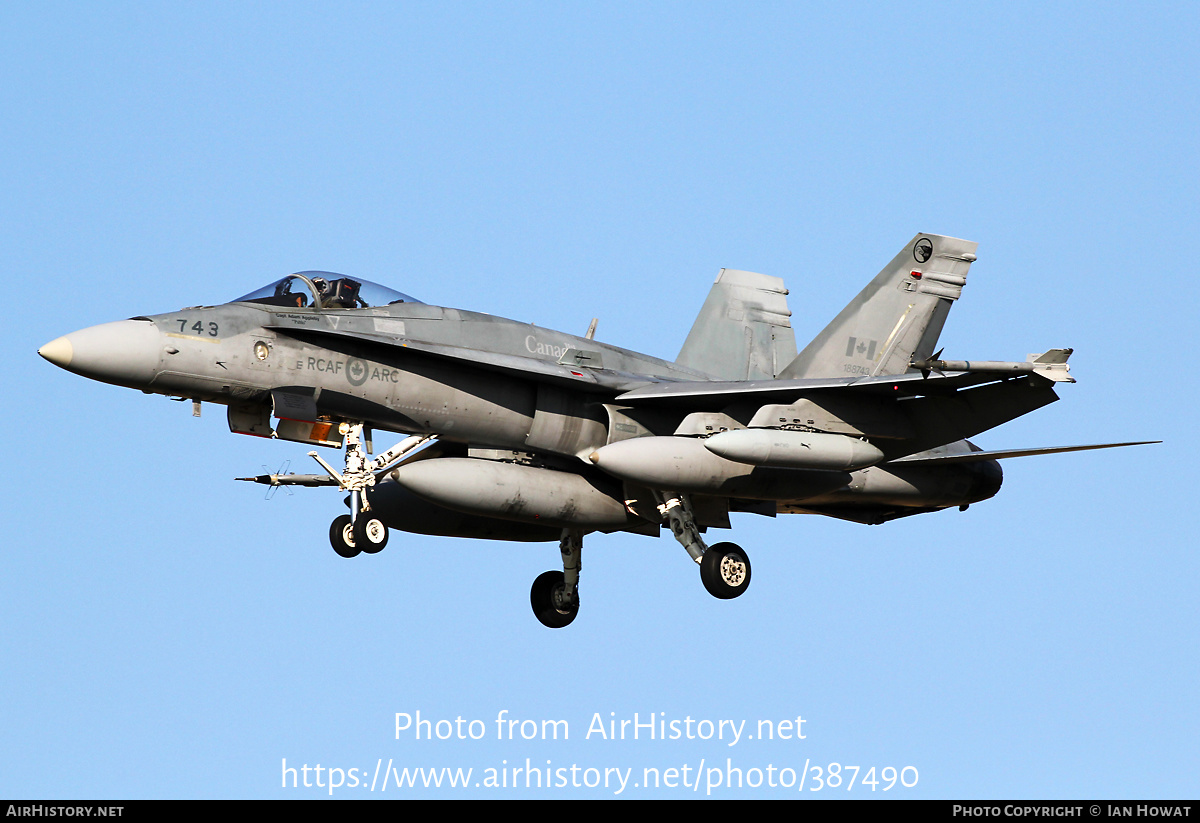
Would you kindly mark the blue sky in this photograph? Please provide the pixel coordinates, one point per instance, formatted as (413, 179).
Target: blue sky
(168, 633)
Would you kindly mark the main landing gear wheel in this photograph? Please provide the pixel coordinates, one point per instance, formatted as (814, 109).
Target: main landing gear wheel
(725, 570)
(546, 597)
(341, 536)
(370, 532)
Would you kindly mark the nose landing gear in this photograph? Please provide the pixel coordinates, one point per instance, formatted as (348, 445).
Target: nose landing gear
(363, 530)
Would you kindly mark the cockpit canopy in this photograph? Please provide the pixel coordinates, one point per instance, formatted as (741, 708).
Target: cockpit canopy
(325, 290)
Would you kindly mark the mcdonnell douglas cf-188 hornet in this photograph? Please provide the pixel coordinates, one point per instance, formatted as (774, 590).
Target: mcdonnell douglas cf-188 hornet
(530, 434)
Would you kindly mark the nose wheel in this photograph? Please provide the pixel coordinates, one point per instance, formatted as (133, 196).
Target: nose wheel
(370, 533)
(341, 536)
(351, 537)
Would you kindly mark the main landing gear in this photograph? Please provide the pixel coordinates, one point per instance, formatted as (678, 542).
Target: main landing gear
(555, 595)
(724, 567)
(363, 530)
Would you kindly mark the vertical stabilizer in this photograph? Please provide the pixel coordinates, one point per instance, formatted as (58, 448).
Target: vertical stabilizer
(896, 318)
(742, 331)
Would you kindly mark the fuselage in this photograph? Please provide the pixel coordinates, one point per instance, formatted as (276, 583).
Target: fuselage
(291, 368)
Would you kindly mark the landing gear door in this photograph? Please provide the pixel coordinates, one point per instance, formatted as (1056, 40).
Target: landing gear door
(252, 420)
(298, 420)
(294, 406)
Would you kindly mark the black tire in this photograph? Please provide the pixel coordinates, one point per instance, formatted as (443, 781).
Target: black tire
(541, 597)
(341, 536)
(725, 570)
(370, 533)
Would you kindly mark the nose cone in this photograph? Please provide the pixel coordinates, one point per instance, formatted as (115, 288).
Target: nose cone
(125, 353)
(58, 352)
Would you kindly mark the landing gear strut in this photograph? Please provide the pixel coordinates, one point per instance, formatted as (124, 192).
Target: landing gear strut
(555, 595)
(724, 568)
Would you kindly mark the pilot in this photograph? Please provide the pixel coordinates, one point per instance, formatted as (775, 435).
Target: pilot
(342, 293)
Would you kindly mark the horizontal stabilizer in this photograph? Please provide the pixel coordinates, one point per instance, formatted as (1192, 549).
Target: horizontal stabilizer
(970, 457)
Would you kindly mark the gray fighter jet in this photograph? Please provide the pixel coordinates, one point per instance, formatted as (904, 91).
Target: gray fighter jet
(530, 434)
